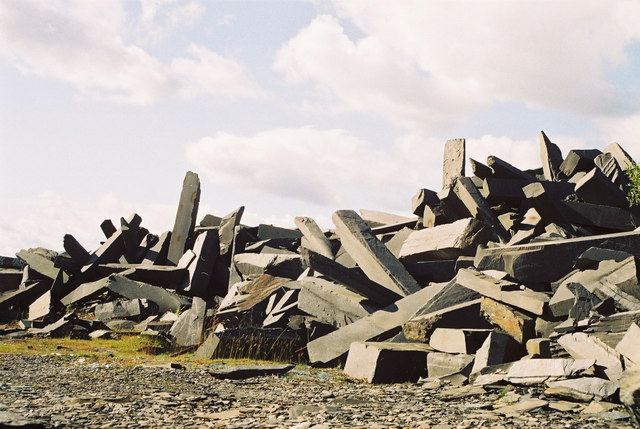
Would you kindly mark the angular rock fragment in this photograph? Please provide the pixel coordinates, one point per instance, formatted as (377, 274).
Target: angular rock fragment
(316, 239)
(331, 303)
(387, 362)
(466, 341)
(596, 188)
(241, 372)
(621, 156)
(551, 158)
(112, 249)
(372, 256)
(189, 327)
(477, 205)
(582, 389)
(348, 277)
(454, 161)
(505, 170)
(441, 364)
(446, 241)
(520, 326)
(256, 264)
(583, 346)
(206, 249)
(578, 160)
(629, 345)
(185, 217)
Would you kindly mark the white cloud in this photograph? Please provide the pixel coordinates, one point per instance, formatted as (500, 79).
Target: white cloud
(212, 74)
(186, 15)
(318, 166)
(624, 130)
(83, 44)
(370, 76)
(429, 63)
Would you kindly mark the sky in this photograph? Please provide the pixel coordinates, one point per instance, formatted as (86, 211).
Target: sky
(289, 108)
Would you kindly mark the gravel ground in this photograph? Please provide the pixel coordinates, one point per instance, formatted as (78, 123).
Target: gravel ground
(65, 391)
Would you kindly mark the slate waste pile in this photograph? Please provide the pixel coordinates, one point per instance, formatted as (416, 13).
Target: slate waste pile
(505, 276)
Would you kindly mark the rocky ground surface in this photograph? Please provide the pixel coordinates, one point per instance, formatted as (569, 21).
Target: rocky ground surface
(67, 391)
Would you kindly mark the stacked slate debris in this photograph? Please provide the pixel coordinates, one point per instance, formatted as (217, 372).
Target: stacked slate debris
(503, 276)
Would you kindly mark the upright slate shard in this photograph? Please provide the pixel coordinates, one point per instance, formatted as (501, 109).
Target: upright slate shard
(622, 157)
(112, 249)
(157, 254)
(478, 206)
(551, 158)
(373, 257)
(226, 232)
(185, 217)
(75, 249)
(596, 188)
(453, 163)
(206, 249)
(315, 238)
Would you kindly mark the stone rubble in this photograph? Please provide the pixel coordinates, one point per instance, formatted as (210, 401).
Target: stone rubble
(503, 278)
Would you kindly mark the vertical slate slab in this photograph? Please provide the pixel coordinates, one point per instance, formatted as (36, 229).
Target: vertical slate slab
(551, 157)
(227, 230)
(478, 206)
(453, 162)
(206, 248)
(75, 249)
(373, 257)
(185, 217)
(113, 248)
(157, 255)
(316, 239)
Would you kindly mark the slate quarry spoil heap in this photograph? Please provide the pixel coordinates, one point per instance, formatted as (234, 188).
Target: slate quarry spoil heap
(504, 276)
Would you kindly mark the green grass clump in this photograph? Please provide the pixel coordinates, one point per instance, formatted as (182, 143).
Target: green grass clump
(633, 190)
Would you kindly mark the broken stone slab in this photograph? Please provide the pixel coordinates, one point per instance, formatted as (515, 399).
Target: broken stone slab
(157, 254)
(227, 230)
(461, 315)
(125, 309)
(389, 319)
(278, 314)
(582, 389)
(41, 307)
(23, 297)
(520, 326)
(621, 156)
(510, 191)
(629, 345)
(316, 240)
(331, 303)
(477, 205)
(121, 325)
(206, 249)
(539, 347)
(597, 215)
(502, 291)
(241, 372)
(583, 346)
(505, 170)
(10, 279)
(453, 161)
(387, 362)
(348, 277)
(207, 349)
(373, 257)
(108, 228)
(40, 264)
(608, 165)
(75, 249)
(426, 272)
(441, 364)
(594, 255)
(524, 261)
(578, 160)
(551, 158)
(266, 232)
(376, 218)
(533, 371)
(188, 329)
(277, 344)
(446, 241)
(158, 275)
(480, 170)
(209, 221)
(450, 209)
(58, 329)
(522, 406)
(257, 264)
(112, 249)
(12, 420)
(424, 197)
(185, 217)
(466, 341)
(596, 188)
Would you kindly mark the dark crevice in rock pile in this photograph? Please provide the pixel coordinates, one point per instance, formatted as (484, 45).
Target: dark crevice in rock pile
(503, 278)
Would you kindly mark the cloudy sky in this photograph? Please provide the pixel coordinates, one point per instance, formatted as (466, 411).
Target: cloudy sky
(289, 107)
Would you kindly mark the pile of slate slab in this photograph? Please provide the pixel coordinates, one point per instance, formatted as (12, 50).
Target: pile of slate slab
(504, 276)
